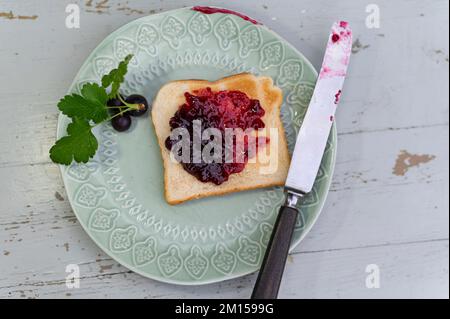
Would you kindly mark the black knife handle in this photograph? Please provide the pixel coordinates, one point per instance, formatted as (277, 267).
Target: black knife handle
(269, 278)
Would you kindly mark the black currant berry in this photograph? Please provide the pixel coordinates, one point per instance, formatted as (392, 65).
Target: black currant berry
(137, 99)
(121, 123)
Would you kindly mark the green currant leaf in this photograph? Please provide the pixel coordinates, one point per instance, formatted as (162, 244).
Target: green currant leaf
(90, 105)
(116, 76)
(79, 145)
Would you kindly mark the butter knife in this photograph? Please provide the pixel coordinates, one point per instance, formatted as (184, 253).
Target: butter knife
(307, 156)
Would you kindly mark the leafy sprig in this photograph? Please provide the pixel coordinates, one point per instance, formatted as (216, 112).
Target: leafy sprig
(116, 77)
(87, 110)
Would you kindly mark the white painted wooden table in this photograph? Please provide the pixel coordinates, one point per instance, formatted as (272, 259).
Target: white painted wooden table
(396, 98)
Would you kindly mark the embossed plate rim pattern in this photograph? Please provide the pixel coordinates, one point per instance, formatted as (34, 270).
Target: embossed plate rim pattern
(194, 261)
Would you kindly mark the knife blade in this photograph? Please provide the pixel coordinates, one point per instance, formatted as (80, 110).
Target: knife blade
(314, 132)
(307, 156)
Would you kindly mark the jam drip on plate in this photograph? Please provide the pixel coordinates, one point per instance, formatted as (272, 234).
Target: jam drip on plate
(212, 10)
(220, 110)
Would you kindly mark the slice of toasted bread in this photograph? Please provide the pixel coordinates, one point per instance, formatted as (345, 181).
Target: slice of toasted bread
(181, 186)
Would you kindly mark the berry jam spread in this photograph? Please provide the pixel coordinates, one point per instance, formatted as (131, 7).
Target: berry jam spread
(220, 110)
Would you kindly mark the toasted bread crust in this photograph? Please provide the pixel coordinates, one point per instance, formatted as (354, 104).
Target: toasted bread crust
(179, 185)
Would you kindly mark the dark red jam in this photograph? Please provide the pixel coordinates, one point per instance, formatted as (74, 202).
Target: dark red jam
(335, 38)
(211, 10)
(337, 97)
(221, 110)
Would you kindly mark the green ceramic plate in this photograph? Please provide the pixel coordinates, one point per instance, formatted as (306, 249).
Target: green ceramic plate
(118, 196)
